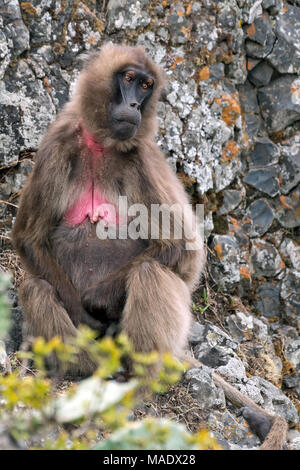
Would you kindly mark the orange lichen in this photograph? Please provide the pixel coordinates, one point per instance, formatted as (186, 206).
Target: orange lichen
(164, 3)
(295, 196)
(251, 30)
(285, 204)
(186, 31)
(230, 152)
(250, 65)
(295, 89)
(231, 111)
(176, 62)
(92, 39)
(236, 225)
(86, 8)
(188, 9)
(29, 8)
(259, 245)
(204, 74)
(218, 250)
(244, 272)
(180, 13)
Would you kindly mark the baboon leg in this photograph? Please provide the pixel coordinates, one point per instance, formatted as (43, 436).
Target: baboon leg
(157, 313)
(45, 316)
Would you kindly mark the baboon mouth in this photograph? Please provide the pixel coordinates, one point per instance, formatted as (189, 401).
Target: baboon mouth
(130, 122)
(125, 129)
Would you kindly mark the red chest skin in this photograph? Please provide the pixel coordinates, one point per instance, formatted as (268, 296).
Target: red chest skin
(90, 202)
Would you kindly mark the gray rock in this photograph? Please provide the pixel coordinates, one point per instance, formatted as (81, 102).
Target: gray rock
(216, 348)
(287, 209)
(227, 18)
(291, 253)
(13, 182)
(248, 98)
(288, 26)
(236, 431)
(284, 57)
(251, 9)
(290, 167)
(264, 179)
(197, 333)
(273, 6)
(15, 31)
(231, 199)
(179, 25)
(265, 153)
(264, 259)
(270, 397)
(224, 265)
(292, 346)
(261, 74)
(258, 218)
(280, 103)
(240, 325)
(127, 14)
(268, 302)
(234, 371)
(290, 381)
(255, 126)
(294, 439)
(260, 37)
(290, 293)
(249, 106)
(27, 109)
(217, 71)
(201, 386)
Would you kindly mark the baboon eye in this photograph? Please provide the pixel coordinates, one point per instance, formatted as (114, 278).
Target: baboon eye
(147, 84)
(129, 76)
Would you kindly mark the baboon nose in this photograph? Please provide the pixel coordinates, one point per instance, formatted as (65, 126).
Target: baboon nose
(135, 105)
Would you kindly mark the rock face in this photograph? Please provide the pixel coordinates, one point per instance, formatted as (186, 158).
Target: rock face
(229, 123)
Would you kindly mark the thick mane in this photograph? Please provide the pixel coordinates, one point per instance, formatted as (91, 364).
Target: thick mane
(94, 92)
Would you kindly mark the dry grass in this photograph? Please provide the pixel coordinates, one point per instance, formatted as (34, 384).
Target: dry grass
(10, 263)
(176, 404)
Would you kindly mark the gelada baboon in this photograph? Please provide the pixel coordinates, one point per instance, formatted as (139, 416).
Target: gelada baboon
(100, 147)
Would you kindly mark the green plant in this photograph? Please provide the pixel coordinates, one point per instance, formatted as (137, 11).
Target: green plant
(95, 413)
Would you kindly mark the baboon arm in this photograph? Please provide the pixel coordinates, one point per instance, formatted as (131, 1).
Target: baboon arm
(270, 428)
(40, 209)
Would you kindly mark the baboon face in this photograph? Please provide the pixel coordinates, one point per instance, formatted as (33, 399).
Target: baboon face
(132, 89)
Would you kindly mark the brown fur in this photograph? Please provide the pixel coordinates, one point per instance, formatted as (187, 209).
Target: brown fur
(69, 267)
(72, 276)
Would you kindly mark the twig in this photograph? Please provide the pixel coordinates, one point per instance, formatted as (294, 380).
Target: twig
(9, 203)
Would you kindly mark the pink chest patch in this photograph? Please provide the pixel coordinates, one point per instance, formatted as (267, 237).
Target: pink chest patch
(92, 205)
(91, 143)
